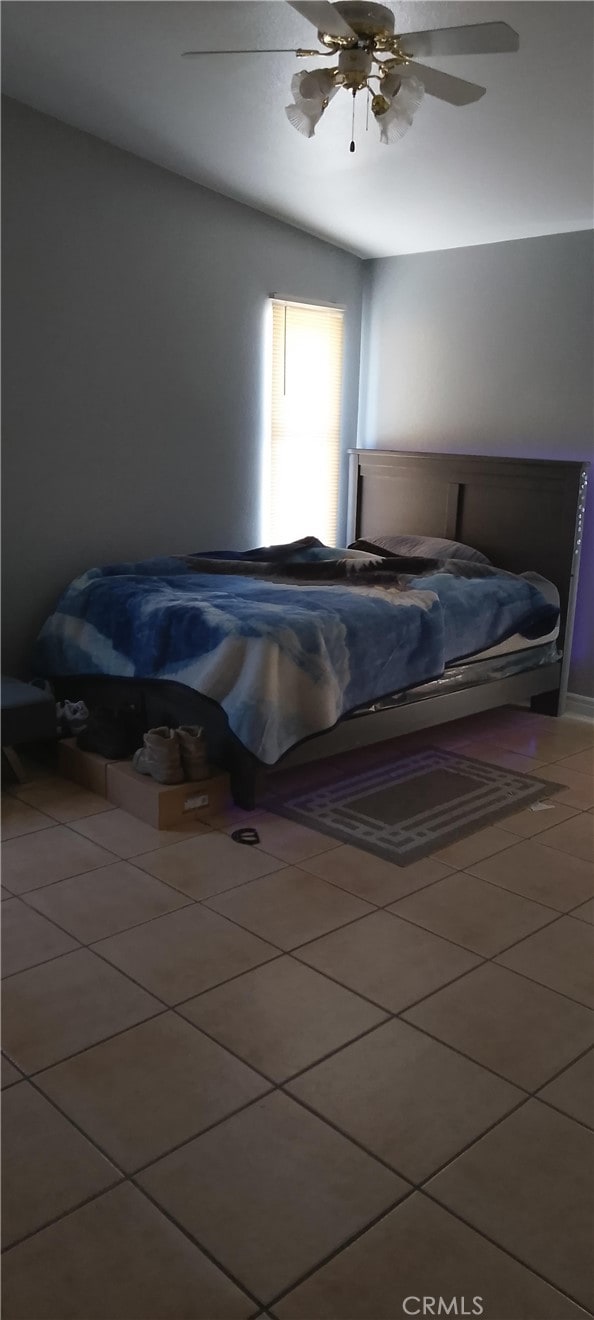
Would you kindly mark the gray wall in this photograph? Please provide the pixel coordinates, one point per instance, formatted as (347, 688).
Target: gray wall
(488, 350)
(133, 342)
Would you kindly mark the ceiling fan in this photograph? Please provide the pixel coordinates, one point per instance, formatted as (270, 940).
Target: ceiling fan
(369, 52)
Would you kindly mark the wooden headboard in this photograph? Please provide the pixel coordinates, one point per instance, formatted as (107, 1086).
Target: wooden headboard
(522, 513)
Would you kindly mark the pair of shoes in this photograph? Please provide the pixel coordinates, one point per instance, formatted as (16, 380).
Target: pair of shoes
(72, 717)
(114, 734)
(173, 755)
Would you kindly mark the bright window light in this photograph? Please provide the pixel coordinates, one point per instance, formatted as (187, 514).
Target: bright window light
(302, 452)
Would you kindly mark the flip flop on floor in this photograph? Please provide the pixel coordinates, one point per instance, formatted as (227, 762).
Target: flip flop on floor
(248, 835)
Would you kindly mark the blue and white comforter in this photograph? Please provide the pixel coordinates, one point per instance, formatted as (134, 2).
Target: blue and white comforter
(286, 643)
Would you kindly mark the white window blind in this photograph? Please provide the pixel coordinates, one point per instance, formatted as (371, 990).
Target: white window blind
(302, 463)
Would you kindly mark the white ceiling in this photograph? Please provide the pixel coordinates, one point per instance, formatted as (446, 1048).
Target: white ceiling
(516, 164)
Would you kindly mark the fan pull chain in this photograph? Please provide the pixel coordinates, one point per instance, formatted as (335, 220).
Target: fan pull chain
(367, 111)
(352, 146)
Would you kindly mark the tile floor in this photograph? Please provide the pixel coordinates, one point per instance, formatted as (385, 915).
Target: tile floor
(297, 1081)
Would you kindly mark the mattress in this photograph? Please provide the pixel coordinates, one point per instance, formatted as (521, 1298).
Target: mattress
(516, 642)
(471, 673)
(515, 655)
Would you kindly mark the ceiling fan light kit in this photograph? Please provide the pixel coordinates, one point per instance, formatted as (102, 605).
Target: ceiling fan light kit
(373, 59)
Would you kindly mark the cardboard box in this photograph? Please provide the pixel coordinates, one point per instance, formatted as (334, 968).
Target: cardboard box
(166, 806)
(86, 768)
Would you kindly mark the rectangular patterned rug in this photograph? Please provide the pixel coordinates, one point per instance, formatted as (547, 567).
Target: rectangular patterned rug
(414, 805)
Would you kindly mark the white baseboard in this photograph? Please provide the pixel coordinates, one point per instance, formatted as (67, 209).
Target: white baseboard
(579, 708)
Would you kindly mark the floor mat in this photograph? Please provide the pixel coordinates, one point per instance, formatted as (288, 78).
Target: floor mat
(414, 805)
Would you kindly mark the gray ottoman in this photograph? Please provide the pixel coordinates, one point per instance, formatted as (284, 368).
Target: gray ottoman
(28, 715)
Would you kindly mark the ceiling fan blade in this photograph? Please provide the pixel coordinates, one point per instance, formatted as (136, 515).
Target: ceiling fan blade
(324, 17)
(471, 39)
(454, 90)
(193, 54)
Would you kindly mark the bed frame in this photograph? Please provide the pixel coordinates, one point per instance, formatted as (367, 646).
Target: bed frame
(522, 513)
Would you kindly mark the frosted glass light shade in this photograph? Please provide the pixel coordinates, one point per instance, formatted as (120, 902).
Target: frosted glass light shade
(312, 90)
(406, 95)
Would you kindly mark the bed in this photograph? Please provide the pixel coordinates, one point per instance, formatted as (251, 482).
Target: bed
(523, 515)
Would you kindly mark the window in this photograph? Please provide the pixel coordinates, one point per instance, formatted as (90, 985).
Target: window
(302, 454)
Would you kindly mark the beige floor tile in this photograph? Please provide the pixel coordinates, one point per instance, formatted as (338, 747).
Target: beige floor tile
(548, 744)
(528, 1185)
(118, 1257)
(38, 859)
(481, 917)
(519, 1029)
(543, 874)
(419, 1250)
(28, 938)
(560, 957)
(583, 762)
(10, 1074)
(18, 818)
(483, 724)
(388, 960)
(289, 908)
(530, 821)
(457, 739)
(190, 1080)
(575, 836)
(371, 877)
(579, 788)
(61, 799)
(65, 1005)
(282, 838)
(103, 902)
(47, 1166)
(485, 750)
(585, 912)
(282, 1016)
(236, 818)
(126, 836)
(573, 1091)
(484, 843)
(180, 955)
(291, 841)
(207, 865)
(41, 765)
(406, 1098)
(301, 1187)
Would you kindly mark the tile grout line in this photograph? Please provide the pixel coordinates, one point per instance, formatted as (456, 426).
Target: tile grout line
(564, 1114)
(29, 1076)
(487, 957)
(132, 859)
(281, 953)
(343, 1246)
(566, 1066)
(189, 902)
(561, 912)
(411, 1188)
(499, 1247)
(384, 1215)
(390, 1016)
(416, 1184)
(492, 958)
(87, 1200)
(196, 1243)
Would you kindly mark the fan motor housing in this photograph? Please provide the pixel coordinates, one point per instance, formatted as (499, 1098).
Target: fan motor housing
(354, 67)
